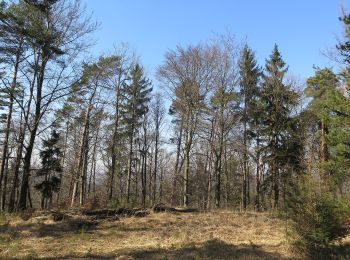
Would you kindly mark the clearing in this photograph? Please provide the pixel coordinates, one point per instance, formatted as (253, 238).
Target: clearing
(173, 235)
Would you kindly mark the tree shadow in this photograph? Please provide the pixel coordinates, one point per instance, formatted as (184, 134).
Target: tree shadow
(212, 249)
(59, 229)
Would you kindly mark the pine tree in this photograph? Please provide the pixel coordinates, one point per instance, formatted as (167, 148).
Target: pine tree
(330, 105)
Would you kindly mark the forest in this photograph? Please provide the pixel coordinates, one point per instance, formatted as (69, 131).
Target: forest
(217, 131)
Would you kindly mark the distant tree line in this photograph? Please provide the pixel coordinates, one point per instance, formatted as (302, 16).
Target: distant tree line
(219, 131)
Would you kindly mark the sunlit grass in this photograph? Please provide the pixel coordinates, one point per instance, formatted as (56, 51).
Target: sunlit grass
(210, 235)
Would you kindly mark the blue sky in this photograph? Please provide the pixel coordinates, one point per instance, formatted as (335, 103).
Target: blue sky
(303, 29)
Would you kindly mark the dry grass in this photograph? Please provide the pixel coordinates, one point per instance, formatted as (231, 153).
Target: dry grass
(214, 235)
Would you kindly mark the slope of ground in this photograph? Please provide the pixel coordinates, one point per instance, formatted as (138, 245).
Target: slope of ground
(212, 235)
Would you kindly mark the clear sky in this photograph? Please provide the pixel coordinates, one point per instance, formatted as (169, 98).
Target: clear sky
(303, 29)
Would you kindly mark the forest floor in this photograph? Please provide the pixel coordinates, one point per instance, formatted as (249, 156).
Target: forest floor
(204, 235)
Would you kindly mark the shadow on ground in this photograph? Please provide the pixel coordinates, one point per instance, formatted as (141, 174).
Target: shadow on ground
(59, 229)
(212, 249)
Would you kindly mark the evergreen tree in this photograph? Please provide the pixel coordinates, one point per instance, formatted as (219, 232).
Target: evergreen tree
(50, 166)
(136, 91)
(330, 105)
(278, 100)
(249, 78)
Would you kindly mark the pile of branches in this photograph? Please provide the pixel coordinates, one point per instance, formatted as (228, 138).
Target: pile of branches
(86, 214)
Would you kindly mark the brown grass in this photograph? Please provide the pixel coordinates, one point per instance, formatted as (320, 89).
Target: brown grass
(214, 235)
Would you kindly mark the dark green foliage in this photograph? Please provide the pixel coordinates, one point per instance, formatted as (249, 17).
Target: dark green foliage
(319, 219)
(48, 187)
(249, 79)
(51, 165)
(277, 120)
(136, 92)
(331, 107)
(51, 154)
(344, 47)
(250, 74)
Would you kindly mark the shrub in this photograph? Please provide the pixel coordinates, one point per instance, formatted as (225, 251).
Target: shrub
(320, 220)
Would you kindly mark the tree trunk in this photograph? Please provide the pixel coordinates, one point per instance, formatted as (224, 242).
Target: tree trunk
(186, 175)
(156, 148)
(258, 179)
(4, 158)
(218, 158)
(131, 142)
(83, 151)
(22, 204)
(177, 164)
(114, 143)
(17, 165)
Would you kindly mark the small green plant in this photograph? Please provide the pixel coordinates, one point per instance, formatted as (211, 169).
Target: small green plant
(83, 234)
(320, 220)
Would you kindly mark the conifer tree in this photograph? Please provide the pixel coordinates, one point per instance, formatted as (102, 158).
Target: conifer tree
(137, 92)
(278, 100)
(50, 167)
(249, 79)
(330, 106)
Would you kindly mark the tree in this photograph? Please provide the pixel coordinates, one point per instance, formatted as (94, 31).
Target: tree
(121, 67)
(249, 78)
(278, 101)
(329, 106)
(54, 30)
(12, 50)
(88, 92)
(50, 166)
(187, 74)
(158, 114)
(136, 91)
(223, 107)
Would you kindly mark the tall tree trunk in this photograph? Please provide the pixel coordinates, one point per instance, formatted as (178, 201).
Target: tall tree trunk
(325, 178)
(4, 158)
(83, 151)
(209, 163)
(128, 185)
(114, 143)
(17, 164)
(4, 188)
(93, 161)
(189, 140)
(245, 157)
(156, 150)
(275, 175)
(218, 158)
(63, 161)
(177, 164)
(161, 185)
(22, 204)
(186, 174)
(258, 179)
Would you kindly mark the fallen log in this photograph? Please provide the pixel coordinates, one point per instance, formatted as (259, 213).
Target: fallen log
(161, 207)
(85, 214)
